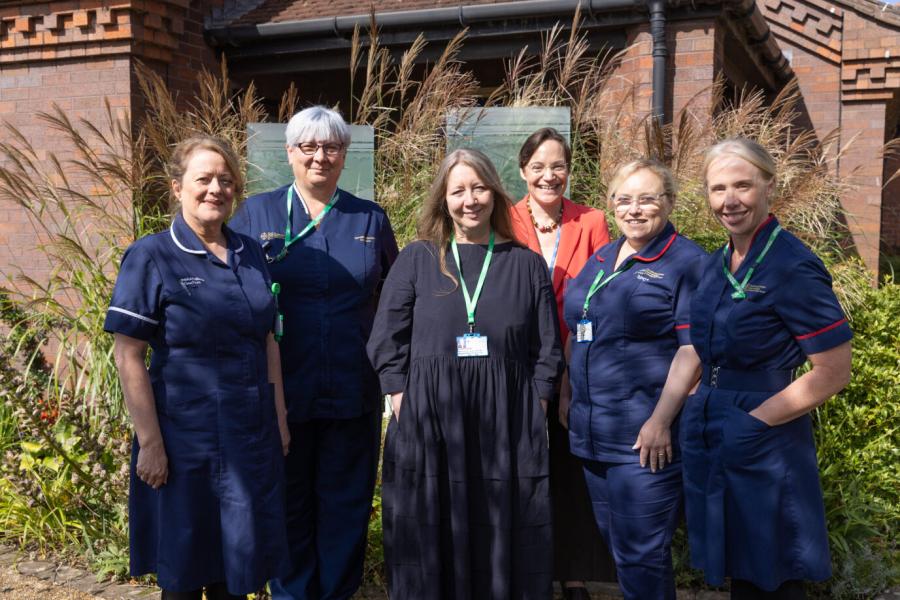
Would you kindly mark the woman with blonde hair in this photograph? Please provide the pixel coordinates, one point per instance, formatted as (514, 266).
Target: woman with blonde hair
(206, 501)
(466, 343)
(628, 311)
(764, 307)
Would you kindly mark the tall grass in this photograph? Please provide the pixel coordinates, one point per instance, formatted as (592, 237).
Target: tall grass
(65, 437)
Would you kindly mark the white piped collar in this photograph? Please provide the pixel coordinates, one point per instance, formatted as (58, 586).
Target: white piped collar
(187, 241)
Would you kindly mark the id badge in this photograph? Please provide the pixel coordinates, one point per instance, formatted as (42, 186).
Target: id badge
(584, 331)
(471, 344)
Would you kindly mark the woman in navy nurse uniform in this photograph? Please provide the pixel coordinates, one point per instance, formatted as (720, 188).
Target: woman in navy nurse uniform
(206, 504)
(763, 307)
(628, 311)
(329, 253)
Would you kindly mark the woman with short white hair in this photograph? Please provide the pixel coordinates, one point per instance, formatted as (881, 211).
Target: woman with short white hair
(328, 252)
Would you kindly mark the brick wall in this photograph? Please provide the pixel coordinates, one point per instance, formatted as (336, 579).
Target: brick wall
(861, 164)
(78, 87)
(692, 63)
(631, 81)
(77, 55)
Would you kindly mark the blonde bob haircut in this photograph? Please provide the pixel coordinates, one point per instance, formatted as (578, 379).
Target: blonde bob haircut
(435, 224)
(185, 149)
(751, 151)
(670, 189)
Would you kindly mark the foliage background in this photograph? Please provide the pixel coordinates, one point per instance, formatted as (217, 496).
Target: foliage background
(64, 435)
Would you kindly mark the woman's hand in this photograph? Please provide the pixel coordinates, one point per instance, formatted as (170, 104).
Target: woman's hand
(153, 464)
(396, 402)
(285, 433)
(655, 443)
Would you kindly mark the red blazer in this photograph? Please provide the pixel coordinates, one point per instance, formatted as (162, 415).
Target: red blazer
(584, 231)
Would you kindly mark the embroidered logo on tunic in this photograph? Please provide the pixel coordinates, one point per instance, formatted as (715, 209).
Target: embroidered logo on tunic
(366, 239)
(265, 236)
(190, 282)
(759, 289)
(648, 274)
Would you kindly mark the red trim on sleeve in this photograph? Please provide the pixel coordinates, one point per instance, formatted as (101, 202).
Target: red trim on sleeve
(685, 326)
(823, 330)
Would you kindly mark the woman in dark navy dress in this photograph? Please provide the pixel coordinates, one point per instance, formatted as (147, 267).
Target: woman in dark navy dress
(329, 252)
(628, 313)
(466, 341)
(763, 307)
(206, 505)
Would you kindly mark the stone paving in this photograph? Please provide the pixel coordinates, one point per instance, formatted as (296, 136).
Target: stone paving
(25, 579)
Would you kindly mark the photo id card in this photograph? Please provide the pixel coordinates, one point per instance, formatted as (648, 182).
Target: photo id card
(584, 331)
(471, 344)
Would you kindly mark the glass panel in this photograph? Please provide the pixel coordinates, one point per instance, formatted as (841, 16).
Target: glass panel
(500, 132)
(268, 167)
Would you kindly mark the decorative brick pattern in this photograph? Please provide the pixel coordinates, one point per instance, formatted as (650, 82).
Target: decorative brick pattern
(66, 29)
(814, 26)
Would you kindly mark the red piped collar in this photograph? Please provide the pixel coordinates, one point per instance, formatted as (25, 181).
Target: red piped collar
(756, 233)
(647, 259)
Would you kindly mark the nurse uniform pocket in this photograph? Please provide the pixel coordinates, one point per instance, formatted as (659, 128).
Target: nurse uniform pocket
(748, 442)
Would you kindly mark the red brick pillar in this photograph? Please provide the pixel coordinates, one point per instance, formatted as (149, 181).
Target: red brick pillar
(78, 55)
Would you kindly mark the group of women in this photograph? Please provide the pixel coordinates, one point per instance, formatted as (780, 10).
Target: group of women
(275, 336)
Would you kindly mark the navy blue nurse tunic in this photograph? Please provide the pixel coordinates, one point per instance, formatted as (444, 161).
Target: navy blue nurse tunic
(220, 516)
(753, 499)
(639, 320)
(328, 283)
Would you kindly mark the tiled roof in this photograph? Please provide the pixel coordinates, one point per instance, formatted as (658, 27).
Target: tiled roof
(276, 11)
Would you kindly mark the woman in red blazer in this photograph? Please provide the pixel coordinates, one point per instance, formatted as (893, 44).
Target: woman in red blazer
(566, 235)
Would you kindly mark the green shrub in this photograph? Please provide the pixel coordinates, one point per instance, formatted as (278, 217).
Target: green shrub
(858, 439)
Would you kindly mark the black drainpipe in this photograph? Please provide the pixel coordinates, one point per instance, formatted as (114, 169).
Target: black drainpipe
(660, 55)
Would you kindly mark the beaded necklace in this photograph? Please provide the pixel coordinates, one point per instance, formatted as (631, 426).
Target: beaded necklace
(544, 228)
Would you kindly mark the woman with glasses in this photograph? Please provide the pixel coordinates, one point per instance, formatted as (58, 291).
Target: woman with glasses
(565, 234)
(328, 253)
(628, 313)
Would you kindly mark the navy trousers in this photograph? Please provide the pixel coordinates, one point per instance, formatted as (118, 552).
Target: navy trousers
(637, 512)
(330, 473)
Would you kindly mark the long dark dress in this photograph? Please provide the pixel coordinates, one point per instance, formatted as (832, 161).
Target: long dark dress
(466, 501)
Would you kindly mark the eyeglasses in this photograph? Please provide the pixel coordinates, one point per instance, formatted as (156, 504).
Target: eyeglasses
(539, 168)
(644, 201)
(330, 149)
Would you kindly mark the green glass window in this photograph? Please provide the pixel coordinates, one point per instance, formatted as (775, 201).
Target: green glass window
(500, 132)
(268, 168)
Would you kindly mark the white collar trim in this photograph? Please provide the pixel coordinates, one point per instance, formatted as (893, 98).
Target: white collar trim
(180, 245)
(188, 250)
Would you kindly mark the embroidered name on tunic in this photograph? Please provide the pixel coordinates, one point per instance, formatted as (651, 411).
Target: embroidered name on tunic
(190, 282)
(648, 274)
(759, 289)
(366, 239)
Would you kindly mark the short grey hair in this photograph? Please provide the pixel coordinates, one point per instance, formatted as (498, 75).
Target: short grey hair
(317, 123)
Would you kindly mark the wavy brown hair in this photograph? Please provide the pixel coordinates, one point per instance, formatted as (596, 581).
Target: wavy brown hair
(436, 225)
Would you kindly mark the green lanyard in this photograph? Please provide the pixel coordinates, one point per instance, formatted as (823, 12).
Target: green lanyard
(288, 239)
(471, 301)
(739, 292)
(598, 285)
